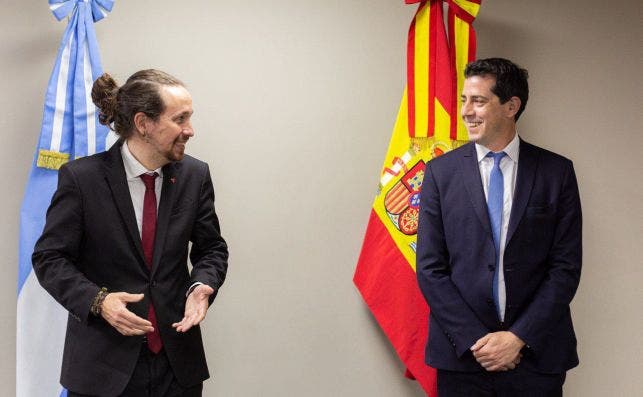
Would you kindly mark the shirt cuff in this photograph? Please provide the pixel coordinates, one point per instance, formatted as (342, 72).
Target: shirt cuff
(192, 287)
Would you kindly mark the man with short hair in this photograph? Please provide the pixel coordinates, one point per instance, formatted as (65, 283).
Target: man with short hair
(115, 247)
(499, 249)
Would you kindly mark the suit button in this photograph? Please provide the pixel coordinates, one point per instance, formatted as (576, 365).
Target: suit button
(490, 302)
(491, 268)
(154, 283)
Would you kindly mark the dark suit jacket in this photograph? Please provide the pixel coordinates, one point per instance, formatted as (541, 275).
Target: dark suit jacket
(91, 240)
(542, 259)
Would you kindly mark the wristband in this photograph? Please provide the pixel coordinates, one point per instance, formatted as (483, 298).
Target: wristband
(97, 304)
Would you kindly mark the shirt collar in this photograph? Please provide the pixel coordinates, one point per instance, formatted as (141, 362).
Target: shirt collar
(133, 168)
(512, 149)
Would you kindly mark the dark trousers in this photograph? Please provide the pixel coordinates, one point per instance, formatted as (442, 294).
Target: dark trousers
(517, 382)
(153, 377)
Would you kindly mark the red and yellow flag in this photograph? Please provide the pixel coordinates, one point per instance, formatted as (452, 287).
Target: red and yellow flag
(427, 125)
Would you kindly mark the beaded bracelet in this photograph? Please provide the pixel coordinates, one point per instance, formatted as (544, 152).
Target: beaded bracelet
(97, 304)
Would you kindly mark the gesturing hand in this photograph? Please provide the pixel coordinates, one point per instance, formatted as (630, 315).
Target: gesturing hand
(196, 307)
(498, 351)
(114, 311)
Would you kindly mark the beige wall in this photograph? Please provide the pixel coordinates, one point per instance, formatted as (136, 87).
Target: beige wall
(295, 102)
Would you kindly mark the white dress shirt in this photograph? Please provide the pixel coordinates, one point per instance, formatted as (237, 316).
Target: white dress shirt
(509, 168)
(133, 170)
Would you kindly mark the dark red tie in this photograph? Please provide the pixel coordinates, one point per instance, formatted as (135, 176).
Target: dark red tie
(148, 231)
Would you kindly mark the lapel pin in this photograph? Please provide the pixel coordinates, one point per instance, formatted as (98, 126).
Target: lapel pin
(173, 179)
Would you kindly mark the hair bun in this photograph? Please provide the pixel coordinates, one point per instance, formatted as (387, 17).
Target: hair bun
(104, 93)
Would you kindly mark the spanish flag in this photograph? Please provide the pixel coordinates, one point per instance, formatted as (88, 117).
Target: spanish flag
(427, 125)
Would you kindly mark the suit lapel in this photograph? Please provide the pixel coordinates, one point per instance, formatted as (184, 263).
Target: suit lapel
(117, 180)
(164, 211)
(527, 164)
(473, 184)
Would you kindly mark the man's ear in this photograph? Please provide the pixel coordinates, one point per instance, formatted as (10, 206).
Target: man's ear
(513, 106)
(140, 123)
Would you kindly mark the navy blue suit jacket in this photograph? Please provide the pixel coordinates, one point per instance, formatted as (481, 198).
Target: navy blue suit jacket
(542, 259)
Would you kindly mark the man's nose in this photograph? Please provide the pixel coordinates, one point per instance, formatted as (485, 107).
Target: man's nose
(466, 108)
(189, 131)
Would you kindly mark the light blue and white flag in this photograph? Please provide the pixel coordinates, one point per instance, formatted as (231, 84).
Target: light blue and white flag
(70, 129)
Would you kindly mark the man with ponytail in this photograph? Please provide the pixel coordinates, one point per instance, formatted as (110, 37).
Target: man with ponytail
(115, 248)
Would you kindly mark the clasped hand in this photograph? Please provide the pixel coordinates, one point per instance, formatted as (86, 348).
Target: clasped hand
(114, 311)
(498, 351)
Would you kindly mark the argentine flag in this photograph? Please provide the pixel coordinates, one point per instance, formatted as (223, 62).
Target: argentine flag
(70, 129)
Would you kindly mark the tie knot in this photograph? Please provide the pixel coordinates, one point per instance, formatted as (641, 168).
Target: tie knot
(148, 180)
(496, 157)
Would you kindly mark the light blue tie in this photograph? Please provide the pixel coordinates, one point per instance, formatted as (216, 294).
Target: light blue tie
(495, 199)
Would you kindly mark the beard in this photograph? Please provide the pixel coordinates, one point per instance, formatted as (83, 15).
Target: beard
(176, 152)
